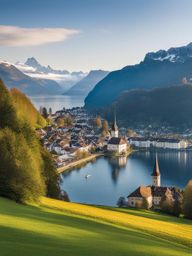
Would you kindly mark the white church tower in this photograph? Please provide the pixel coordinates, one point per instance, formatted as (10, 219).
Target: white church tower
(156, 176)
(114, 130)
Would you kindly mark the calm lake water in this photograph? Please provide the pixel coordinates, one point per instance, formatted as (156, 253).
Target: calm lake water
(114, 177)
(57, 102)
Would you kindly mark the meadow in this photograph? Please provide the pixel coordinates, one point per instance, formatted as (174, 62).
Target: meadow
(59, 228)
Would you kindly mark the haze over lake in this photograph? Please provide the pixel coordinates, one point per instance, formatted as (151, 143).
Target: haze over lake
(114, 177)
(57, 102)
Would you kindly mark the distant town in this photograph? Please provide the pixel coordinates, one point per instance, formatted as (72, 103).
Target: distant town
(74, 134)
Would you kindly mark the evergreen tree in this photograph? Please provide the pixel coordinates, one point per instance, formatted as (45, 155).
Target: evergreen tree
(44, 112)
(50, 111)
(187, 200)
(51, 176)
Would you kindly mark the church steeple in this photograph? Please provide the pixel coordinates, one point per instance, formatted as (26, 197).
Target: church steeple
(156, 176)
(114, 130)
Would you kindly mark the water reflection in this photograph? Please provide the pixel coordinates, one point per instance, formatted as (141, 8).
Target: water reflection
(114, 177)
(117, 164)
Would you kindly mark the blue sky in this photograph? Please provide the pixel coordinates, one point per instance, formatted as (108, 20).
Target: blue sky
(91, 34)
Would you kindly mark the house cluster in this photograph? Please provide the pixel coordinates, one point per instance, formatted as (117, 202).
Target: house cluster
(154, 193)
(164, 143)
(64, 141)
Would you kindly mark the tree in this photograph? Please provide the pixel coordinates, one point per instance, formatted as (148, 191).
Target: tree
(44, 112)
(60, 121)
(145, 204)
(50, 175)
(40, 110)
(121, 202)
(105, 127)
(98, 122)
(50, 111)
(131, 133)
(187, 200)
(68, 121)
(80, 154)
(20, 169)
(177, 207)
(8, 116)
(25, 109)
(167, 204)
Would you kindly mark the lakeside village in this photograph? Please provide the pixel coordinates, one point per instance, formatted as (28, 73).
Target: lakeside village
(73, 136)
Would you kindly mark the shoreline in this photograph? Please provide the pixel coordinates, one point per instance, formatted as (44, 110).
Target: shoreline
(78, 162)
(86, 160)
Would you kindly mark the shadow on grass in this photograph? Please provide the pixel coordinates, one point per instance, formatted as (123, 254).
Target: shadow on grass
(104, 241)
(155, 215)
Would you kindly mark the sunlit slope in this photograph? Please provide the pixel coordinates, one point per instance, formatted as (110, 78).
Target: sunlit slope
(59, 228)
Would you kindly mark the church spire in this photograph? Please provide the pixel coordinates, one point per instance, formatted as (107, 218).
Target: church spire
(156, 171)
(156, 176)
(114, 130)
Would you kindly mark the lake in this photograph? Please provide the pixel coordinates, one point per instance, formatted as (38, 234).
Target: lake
(114, 177)
(57, 102)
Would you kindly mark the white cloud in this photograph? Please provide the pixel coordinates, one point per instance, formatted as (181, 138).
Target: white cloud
(18, 36)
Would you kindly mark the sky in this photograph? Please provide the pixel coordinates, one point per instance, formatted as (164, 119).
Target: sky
(91, 34)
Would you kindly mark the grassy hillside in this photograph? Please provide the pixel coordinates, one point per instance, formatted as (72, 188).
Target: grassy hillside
(59, 228)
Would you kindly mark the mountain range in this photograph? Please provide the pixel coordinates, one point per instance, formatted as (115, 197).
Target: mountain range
(84, 86)
(64, 78)
(157, 70)
(32, 78)
(13, 77)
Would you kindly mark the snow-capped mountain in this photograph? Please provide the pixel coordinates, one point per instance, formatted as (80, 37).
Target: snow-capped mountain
(64, 78)
(13, 77)
(157, 70)
(174, 54)
(32, 62)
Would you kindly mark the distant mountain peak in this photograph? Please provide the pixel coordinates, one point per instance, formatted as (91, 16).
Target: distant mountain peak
(173, 54)
(32, 62)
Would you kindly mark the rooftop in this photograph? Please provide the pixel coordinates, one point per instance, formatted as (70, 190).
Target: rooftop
(116, 141)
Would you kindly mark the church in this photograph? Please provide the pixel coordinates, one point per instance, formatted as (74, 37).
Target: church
(154, 193)
(116, 144)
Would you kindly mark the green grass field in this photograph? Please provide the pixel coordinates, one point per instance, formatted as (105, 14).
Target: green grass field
(59, 228)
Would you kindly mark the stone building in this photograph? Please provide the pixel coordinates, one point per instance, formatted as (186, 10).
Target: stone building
(154, 193)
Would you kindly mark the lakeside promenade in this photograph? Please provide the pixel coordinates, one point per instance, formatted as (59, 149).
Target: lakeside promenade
(78, 162)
